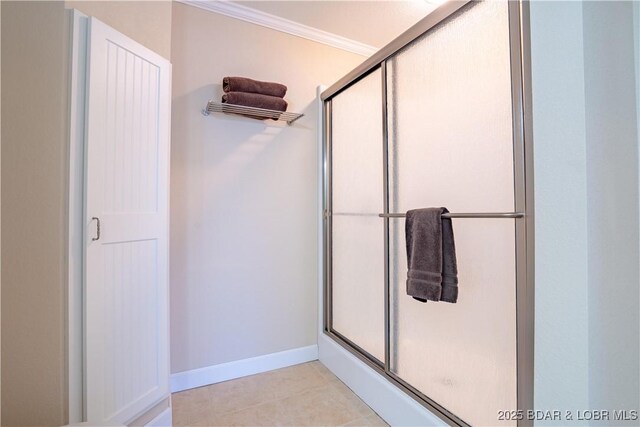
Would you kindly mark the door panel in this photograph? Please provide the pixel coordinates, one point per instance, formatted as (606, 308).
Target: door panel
(358, 281)
(451, 144)
(462, 355)
(131, 270)
(132, 132)
(358, 239)
(450, 124)
(126, 294)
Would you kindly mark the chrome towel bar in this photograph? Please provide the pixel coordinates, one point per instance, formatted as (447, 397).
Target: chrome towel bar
(464, 215)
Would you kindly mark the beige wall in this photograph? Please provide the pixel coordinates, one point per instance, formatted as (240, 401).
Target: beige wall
(34, 147)
(0, 219)
(612, 182)
(561, 258)
(34, 168)
(147, 22)
(243, 193)
(585, 131)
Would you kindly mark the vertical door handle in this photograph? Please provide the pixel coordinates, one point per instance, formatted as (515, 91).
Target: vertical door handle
(98, 231)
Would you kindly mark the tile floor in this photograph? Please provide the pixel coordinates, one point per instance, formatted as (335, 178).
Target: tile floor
(301, 395)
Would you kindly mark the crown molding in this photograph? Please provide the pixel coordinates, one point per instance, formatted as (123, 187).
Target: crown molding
(277, 23)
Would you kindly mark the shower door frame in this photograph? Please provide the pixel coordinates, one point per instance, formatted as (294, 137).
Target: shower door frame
(519, 41)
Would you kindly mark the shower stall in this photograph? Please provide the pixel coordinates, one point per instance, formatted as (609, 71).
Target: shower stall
(439, 117)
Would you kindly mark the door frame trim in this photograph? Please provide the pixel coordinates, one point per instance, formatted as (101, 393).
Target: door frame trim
(79, 24)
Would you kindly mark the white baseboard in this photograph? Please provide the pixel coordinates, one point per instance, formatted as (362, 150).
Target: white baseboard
(391, 403)
(241, 368)
(164, 419)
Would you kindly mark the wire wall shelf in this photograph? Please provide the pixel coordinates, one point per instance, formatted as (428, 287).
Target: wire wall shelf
(252, 112)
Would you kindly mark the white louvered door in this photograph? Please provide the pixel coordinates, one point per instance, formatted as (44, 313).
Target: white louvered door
(126, 267)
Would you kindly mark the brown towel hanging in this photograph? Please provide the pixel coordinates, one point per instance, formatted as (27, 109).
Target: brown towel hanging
(431, 256)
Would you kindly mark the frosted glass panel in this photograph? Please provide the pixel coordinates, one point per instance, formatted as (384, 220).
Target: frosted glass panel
(450, 116)
(462, 355)
(357, 147)
(357, 198)
(358, 281)
(450, 124)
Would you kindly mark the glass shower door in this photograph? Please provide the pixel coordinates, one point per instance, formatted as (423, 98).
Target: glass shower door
(451, 145)
(357, 239)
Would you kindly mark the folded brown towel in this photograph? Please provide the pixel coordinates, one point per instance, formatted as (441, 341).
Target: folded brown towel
(431, 256)
(244, 84)
(255, 100)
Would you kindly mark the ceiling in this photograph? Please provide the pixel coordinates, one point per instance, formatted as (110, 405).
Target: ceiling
(374, 23)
